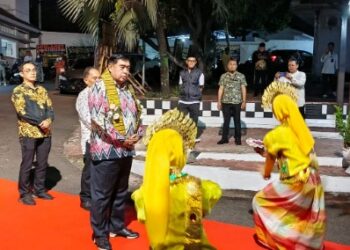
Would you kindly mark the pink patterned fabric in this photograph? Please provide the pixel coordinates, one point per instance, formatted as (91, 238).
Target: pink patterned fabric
(106, 141)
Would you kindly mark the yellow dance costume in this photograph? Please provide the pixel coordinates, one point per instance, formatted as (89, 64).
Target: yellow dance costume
(171, 203)
(289, 213)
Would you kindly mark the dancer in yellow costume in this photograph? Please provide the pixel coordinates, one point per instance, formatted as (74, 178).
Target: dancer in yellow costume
(290, 212)
(172, 203)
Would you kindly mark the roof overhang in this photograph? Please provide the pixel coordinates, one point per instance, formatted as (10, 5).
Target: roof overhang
(14, 22)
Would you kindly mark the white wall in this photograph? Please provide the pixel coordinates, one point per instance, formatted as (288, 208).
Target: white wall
(18, 8)
(69, 39)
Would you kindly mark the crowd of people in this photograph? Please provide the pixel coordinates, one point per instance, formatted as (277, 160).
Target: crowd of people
(288, 213)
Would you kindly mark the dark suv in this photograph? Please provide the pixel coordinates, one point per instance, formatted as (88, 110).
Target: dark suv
(71, 81)
(279, 59)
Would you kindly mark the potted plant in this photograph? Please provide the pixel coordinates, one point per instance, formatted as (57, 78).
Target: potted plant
(343, 127)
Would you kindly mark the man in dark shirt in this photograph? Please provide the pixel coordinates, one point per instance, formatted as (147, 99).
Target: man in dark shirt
(35, 115)
(260, 61)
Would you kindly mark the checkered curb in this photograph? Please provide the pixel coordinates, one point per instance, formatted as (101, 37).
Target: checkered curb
(315, 111)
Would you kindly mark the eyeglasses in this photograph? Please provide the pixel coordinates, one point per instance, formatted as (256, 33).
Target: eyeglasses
(191, 60)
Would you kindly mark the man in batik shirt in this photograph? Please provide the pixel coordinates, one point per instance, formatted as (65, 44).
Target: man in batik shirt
(90, 76)
(115, 129)
(35, 115)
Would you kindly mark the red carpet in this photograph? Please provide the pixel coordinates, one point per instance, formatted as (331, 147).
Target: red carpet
(62, 225)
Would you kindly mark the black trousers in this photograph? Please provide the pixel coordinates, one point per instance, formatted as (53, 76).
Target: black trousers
(302, 111)
(191, 109)
(30, 147)
(329, 83)
(260, 83)
(85, 193)
(231, 110)
(109, 187)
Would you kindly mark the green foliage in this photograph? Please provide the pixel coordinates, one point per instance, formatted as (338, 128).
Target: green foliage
(342, 126)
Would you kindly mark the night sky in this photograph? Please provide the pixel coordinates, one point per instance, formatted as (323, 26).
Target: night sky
(52, 19)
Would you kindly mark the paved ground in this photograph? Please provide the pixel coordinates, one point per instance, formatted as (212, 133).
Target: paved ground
(65, 163)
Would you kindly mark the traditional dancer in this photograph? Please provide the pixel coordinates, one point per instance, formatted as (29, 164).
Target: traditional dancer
(172, 203)
(289, 213)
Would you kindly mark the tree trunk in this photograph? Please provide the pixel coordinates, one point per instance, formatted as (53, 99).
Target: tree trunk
(164, 59)
(105, 46)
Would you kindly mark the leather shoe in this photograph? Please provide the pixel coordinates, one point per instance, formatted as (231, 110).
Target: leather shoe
(238, 142)
(85, 205)
(126, 233)
(102, 243)
(27, 200)
(222, 141)
(43, 195)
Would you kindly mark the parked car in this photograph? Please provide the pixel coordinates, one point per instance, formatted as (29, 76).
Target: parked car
(71, 80)
(279, 60)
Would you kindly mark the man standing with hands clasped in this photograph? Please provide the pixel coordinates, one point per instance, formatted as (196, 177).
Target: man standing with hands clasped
(232, 96)
(90, 76)
(191, 86)
(35, 115)
(115, 129)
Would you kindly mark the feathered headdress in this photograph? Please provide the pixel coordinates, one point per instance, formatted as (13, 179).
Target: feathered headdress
(275, 89)
(174, 119)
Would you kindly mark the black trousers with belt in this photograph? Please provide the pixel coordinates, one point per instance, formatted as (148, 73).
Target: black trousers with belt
(85, 193)
(109, 187)
(30, 147)
(231, 110)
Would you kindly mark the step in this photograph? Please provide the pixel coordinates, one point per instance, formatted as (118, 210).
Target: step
(229, 179)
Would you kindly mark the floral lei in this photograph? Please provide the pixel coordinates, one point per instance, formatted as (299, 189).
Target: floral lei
(114, 102)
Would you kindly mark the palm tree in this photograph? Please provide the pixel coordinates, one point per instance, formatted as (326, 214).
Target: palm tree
(111, 22)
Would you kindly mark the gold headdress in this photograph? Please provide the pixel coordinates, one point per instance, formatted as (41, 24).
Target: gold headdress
(174, 119)
(278, 88)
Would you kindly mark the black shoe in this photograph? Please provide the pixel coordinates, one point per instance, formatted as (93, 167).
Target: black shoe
(43, 195)
(85, 205)
(126, 233)
(222, 141)
(102, 243)
(238, 142)
(27, 200)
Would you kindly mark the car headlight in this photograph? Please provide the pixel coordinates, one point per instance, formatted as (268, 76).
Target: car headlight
(63, 78)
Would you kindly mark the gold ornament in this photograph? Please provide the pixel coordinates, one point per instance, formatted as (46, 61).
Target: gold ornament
(174, 119)
(275, 89)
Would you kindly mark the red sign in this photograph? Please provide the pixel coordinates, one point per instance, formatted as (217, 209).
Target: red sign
(51, 48)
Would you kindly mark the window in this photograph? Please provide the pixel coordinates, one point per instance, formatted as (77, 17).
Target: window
(8, 48)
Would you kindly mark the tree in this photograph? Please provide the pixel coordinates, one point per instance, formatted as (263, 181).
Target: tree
(251, 15)
(111, 21)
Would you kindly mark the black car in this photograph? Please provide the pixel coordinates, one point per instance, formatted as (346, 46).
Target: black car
(279, 59)
(71, 81)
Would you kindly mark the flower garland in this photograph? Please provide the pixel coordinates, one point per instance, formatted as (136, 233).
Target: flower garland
(114, 103)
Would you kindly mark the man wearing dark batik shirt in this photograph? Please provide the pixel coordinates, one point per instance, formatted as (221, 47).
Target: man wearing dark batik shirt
(35, 115)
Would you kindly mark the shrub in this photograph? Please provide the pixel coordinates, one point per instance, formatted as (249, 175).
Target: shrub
(342, 126)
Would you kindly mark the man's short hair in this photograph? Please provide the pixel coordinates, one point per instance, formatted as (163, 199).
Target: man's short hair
(22, 65)
(87, 71)
(331, 44)
(262, 45)
(293, 59)
(116, 57)
(235, 59)
(193, 56)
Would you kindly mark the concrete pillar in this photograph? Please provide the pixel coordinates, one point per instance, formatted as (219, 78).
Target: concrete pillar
(342, 57)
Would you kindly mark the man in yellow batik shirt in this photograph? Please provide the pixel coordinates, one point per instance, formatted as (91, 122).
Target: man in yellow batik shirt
(35, 115)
